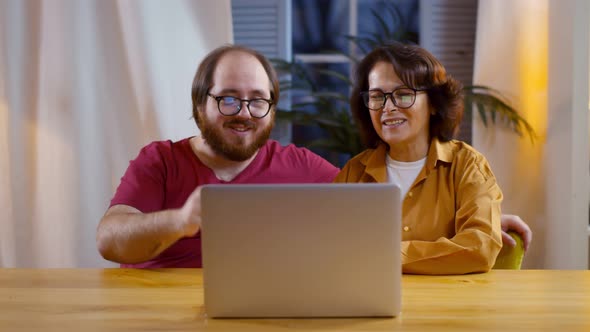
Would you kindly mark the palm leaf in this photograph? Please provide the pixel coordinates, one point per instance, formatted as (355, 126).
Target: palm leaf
(328, 97)
(396, 16)
(365, 44)
(381, 25)
(491, 103)
(331, 73)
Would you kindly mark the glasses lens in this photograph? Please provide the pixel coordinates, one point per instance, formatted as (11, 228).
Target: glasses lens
(228, 105)
(404, 98)
(374, 100)
(258, 107)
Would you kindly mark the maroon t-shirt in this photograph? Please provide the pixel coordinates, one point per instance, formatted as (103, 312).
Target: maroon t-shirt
(165, 173)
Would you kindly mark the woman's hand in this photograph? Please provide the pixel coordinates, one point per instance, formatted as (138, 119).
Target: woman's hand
(514, 223)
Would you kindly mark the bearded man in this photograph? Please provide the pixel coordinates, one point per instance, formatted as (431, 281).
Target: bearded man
(154, 217)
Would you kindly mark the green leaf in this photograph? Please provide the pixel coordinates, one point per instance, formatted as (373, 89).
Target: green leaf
(490, 102)
(330, 96)
(363, 43)
(482, 113)
(382, 26)
(337, 75)
(395, 14)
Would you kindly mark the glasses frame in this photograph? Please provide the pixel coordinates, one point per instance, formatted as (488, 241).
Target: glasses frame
(389, 95)
(239, 108)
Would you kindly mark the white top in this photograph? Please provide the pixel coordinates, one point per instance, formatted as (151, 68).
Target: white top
(403, 173)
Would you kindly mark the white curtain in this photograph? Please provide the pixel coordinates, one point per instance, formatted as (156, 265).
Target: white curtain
(84, 84)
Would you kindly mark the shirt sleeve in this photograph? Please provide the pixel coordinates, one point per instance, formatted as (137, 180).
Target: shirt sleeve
(477, 240)
(143, 184)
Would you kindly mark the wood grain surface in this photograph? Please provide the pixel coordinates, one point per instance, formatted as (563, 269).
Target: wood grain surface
(172, 300)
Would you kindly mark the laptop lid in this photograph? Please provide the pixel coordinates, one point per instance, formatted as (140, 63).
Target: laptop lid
(301, 250)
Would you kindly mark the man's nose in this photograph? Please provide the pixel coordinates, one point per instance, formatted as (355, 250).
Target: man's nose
(244, 111)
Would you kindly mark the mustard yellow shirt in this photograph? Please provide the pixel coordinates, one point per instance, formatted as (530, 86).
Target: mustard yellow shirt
(451, 213)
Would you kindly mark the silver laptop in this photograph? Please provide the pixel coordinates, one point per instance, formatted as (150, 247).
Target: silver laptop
(301, 250)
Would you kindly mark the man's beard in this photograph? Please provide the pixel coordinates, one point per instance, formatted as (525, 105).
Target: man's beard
(234, 151)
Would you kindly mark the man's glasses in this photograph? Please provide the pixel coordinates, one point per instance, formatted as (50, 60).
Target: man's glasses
(228, 105)
(401, 97)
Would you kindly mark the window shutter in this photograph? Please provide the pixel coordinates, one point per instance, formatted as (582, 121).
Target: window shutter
(447, 30)
(264, 25)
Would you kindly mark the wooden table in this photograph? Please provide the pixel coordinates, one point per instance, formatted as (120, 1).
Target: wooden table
(172, 300)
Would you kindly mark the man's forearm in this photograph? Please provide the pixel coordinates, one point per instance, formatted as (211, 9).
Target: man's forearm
(130, 238)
